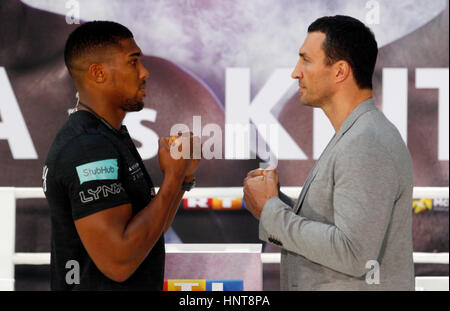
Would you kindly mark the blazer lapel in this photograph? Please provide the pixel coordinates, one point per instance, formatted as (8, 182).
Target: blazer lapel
(362, 108)
(311, 176)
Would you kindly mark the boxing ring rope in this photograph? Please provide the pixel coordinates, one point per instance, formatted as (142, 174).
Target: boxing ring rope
(9, 258)
(266, 258)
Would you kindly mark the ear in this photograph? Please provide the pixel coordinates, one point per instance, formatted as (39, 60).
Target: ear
(97, 73)
(342, 71)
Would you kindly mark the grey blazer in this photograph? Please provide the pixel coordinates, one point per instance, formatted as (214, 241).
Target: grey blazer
(351, 227)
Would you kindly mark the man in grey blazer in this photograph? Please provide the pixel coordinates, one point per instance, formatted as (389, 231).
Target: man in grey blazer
(351, 227)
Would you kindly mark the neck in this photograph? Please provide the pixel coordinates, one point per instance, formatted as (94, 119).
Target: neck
(104, 109)
(339, 107)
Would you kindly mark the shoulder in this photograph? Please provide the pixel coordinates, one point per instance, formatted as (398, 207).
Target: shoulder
(84, 148)
(362, 144)
(373, 142)
(365, 140)
(83, 152)
(79, 136)
(374, 132)
(88, 143)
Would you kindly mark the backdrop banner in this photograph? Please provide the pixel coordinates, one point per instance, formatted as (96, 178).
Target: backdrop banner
(221, 69)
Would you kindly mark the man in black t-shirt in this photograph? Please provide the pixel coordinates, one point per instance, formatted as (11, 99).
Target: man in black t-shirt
(107, 222)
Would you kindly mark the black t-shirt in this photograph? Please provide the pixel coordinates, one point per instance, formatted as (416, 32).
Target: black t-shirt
(90, 168)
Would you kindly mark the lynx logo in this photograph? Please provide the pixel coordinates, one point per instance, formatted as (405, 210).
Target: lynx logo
(98, 170)
(100, 191)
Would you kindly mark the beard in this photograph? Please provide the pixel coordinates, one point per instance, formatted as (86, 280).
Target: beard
(133, 105)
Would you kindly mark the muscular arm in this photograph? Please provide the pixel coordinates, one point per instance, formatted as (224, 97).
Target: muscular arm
(118, 242)
(175, 205)
(190, 175)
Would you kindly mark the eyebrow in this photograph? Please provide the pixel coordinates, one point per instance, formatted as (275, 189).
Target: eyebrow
(137, 54)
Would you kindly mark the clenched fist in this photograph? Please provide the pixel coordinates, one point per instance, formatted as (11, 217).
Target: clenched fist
(259, 186)
(170, 165)
(187, 145)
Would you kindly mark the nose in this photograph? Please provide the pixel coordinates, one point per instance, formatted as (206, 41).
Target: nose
(144, 73)
(297, 73)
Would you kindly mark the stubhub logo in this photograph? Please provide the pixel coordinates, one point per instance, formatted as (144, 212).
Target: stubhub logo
(203, 285)
(98, 170)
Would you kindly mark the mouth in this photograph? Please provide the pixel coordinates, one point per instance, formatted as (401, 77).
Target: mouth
(142, 89)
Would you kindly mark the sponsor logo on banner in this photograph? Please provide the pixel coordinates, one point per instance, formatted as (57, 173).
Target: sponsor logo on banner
(436, 205)
(197, 203)
(186, 285)
(203, 285)
(440, 205)
(422, 205)
(213, 203)
(226, 203)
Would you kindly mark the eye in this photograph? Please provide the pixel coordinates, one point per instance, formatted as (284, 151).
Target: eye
(134, 62)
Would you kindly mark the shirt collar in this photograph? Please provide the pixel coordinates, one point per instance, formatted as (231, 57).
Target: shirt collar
(358, 111)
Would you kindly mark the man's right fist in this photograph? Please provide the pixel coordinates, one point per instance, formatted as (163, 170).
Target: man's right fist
(173, 139)
(269, 172)
(169, 164)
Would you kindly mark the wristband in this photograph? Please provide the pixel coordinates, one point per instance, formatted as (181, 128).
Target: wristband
(188, 186)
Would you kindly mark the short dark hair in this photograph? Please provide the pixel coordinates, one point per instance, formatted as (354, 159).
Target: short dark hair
(349, 39)
(92, 35)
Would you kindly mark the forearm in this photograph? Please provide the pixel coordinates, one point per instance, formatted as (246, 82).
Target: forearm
(321, 243)
(173, 210)
(176, 204)
(344, 246)
(146, 227)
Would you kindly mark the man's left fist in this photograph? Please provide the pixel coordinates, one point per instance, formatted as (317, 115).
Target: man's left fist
(259, 186)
